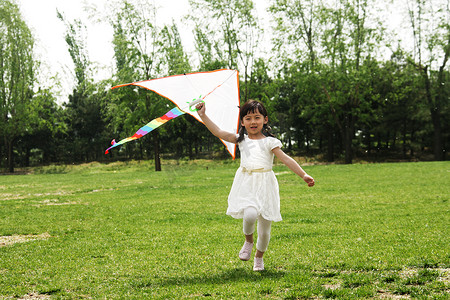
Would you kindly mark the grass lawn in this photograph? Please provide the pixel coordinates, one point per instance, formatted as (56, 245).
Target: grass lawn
(123, 231)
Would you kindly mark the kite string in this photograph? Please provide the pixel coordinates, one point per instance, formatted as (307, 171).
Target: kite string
(219, 84)
(203, 98)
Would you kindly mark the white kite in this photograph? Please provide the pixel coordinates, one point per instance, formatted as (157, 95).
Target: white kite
(219, 89)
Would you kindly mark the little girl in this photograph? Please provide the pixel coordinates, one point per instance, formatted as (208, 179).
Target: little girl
(254, 193)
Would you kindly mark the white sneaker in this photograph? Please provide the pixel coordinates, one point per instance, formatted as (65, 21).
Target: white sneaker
(246, 251)
(258, 264)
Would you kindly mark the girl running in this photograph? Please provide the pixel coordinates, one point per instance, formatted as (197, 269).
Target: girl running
(254, 194)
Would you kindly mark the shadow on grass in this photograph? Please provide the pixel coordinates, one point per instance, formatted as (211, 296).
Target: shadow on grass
(232, 275)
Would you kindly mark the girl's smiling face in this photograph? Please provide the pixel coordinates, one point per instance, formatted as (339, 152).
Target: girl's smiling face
(253, 122)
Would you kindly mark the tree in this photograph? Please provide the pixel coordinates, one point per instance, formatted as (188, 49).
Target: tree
(431, 32)
(17, 76)
(297, 22)
(46, 118)
(176, 61)
(138, 57)
(84, 111)
(184, 135)
(227, 35)
(296, 43)
(400, 121)
(348, 44)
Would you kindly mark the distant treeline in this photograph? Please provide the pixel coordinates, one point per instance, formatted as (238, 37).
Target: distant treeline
(330, 91)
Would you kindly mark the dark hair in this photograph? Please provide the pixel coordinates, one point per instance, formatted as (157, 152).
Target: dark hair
(252, 106)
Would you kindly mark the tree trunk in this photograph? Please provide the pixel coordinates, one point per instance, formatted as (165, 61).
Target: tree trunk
(435, 111)
(348, 145)
(345, 130)
(156, 150)
(404, 131)
(411, 144)
(348, 138)
(9, 146)
(330, 147)
(440, 98)
(246, 85)
(437, 136)
(27, 156)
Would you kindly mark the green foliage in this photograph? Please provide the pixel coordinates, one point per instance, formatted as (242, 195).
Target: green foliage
(120, 230)
(330, 91)
(17, 75)
(176, 59)
(84, 113)
(297, 30)
(76, 35)
(232, 24)
(432, 43)
(47, 120)
(227, 35)
(142, 51)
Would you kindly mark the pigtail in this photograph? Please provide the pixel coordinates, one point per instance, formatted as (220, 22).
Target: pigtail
(241, 134)
(267, 130)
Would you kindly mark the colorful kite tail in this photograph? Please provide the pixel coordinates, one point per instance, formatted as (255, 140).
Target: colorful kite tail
(172, 114)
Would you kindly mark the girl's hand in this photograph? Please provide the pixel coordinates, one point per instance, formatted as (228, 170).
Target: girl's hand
(201, 109)
(309, 180)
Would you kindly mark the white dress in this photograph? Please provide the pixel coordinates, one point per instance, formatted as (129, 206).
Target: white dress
(255, 184)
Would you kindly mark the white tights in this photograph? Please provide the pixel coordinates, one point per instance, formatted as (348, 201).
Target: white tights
(250, 216)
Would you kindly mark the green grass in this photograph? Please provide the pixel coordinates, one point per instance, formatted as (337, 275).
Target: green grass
(123, 231)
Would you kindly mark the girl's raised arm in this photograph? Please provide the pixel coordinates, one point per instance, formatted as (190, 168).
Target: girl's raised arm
(293, 165)
(221, 134)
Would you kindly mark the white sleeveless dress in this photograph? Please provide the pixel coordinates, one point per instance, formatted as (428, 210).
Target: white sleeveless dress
(255, 184)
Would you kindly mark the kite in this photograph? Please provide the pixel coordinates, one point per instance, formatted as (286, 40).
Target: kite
(219, 89)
